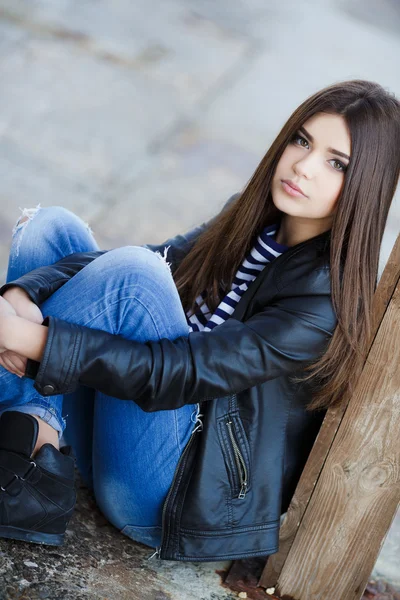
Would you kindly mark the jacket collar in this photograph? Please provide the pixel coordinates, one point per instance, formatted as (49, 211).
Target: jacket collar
(315, 246)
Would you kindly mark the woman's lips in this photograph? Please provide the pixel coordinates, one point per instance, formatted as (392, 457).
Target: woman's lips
(291, 191)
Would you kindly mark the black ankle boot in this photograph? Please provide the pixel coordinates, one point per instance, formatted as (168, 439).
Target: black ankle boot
(37, 495)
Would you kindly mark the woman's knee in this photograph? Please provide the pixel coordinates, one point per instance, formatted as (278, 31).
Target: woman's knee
(136, 261)
(138, 272)
(52, 227)
(48, 218)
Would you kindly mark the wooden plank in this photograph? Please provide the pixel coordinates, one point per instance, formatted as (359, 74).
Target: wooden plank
(358, 491)
(387, 284)
(324, 441)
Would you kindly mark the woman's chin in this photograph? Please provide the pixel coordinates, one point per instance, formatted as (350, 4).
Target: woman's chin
(285, 203)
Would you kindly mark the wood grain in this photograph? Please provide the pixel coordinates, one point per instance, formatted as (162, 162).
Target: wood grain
(326, 436)
(358, 491)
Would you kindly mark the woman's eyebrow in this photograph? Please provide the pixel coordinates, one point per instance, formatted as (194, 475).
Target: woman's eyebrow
(310, 137)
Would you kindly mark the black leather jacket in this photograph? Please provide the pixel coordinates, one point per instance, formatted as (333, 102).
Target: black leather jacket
(238, 472)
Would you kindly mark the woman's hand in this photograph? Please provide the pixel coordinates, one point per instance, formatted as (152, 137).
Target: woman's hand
(25, 308)
(23, 305)
(13, 362)
(21, 338)
(6, 310)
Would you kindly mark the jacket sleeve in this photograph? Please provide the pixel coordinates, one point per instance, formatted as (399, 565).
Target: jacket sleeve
(166, 374)
(42, 282)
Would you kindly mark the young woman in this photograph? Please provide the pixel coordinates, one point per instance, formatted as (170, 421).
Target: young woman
(191, 391)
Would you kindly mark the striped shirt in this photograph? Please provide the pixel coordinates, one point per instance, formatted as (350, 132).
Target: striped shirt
(263, 252)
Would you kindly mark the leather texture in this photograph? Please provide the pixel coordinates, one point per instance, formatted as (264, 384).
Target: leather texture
(238, 472)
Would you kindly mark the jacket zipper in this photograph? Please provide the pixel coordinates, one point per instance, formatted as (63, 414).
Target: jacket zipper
(241, 466)
(238, 455)
(199, 427)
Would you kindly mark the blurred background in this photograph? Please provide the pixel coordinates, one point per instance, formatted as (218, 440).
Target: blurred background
(143, 117)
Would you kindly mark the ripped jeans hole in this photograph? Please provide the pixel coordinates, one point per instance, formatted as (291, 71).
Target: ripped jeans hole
(163, 257)
(89, 229)
(20, 225)
(25, 212)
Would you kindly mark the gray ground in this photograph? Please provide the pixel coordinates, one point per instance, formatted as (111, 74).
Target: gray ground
(143, 118)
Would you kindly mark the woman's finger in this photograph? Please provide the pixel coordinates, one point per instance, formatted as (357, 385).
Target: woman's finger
(8, 364)
(6, 308)
(12, 368)
(18, 361)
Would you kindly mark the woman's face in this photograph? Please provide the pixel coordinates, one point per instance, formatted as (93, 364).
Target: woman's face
(313, 162)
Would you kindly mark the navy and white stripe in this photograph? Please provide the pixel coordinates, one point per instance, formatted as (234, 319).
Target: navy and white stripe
(263, 252)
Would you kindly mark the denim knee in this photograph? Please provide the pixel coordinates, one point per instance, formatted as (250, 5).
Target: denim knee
(49, 218)
(139, 284)
(54, 228)
(151, 265)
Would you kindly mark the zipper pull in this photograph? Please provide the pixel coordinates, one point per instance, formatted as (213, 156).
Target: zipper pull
(242, 492)
(156, 553)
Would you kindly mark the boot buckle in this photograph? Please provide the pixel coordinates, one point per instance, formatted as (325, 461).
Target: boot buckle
(9, 484)
(29, 472)
(26, 478)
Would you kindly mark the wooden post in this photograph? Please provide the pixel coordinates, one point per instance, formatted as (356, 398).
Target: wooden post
(335, 528)
(325, 442)
(358, 491)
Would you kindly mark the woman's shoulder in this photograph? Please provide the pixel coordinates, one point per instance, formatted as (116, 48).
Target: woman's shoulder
(306, 268)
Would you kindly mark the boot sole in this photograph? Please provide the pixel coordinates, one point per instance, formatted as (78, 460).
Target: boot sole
(24, 535)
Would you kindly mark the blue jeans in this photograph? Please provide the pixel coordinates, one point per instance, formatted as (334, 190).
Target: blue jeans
(125, 455)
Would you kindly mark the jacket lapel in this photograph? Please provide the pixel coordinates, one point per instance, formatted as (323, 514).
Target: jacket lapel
(241, 307)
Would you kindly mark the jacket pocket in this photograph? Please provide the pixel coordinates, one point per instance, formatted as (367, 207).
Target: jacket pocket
(236, 453)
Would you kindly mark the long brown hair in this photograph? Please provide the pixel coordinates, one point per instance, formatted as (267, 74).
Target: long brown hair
(372, 115)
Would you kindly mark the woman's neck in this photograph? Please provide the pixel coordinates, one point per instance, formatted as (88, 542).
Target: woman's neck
(294, 230)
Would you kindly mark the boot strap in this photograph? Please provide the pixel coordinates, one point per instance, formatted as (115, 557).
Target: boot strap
(21, 468)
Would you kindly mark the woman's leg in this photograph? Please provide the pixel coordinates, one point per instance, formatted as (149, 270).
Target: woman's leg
(41, 236)
(130, 292)
(38, 497)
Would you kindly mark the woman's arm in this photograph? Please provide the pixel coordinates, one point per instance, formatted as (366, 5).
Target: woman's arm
(22, 337)
(166, 374)
(42, 282)
(17, 334)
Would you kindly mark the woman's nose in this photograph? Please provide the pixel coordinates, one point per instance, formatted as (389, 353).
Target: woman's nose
(305, 167)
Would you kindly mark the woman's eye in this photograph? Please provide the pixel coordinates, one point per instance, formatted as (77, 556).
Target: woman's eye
(342, 167)
(299, 137)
